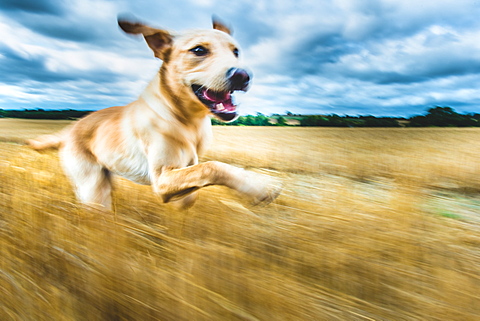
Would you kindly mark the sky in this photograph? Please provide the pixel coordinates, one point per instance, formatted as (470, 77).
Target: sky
(346, 57)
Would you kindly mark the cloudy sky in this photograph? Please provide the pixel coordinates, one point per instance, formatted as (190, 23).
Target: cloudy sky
(356, 57)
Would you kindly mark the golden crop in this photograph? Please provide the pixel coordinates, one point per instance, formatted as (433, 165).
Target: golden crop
(372, 224)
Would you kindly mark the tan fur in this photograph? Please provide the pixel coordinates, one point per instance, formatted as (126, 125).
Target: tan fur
(157, 138)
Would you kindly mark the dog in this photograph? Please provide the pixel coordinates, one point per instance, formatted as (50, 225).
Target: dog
(157, 139)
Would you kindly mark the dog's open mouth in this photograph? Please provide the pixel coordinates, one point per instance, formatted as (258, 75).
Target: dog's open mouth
(220, 103)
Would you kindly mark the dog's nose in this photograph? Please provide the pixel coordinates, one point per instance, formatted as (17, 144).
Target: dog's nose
(239, 78)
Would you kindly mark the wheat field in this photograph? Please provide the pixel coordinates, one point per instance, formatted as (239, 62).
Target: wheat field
(372, 224)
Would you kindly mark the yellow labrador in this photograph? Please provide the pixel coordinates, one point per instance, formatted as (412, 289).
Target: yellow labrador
(157, 138)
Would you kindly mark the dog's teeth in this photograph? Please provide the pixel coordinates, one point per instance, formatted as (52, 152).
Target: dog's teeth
(220, 107)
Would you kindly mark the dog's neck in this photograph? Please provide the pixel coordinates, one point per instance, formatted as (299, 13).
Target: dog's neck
(196, 128)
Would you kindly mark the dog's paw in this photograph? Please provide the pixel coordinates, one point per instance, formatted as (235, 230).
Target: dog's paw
(270, 193)
(184, 203)
(263, 189)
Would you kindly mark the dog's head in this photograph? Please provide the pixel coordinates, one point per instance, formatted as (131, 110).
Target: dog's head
(200, 68)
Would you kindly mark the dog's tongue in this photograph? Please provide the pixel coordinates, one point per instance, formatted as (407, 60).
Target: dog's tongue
(216, 96)
(222, 100)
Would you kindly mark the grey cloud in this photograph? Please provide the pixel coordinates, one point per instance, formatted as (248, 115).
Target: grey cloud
(416, 69)
(251, 31)
(449, 66)
(60, 28)
(77, 29)
(402, 19)
(51, 7)
(318, 51)
(14, 68)
(58, 19)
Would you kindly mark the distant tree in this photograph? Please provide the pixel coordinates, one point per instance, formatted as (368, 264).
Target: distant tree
(44, 114)
(281, 121)
(371, 121)
(338, 121)
(263, 120)
(475, 116)
(314, 120)
(443, 117)
(436, 116)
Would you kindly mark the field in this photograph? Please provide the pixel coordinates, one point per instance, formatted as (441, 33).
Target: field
(372, 224)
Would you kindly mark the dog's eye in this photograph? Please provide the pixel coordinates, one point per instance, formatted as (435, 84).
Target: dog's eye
(236, 52)
(199, 51)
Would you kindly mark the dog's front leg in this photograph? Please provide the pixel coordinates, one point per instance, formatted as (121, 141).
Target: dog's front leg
(176, 183)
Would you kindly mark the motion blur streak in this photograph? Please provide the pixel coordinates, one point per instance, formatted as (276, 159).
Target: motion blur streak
(374, 224)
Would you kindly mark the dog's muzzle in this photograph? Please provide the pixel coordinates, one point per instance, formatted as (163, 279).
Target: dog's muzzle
(221, 103)
(239, 79)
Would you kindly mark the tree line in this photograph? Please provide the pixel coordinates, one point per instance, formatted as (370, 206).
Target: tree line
(434, 117)
(44, 114)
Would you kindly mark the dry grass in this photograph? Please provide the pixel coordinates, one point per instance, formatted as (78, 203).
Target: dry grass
(373, 224)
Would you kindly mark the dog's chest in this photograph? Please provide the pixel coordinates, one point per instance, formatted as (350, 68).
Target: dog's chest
(132, 166)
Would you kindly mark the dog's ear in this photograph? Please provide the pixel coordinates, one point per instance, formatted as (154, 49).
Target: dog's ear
(160, 41)
(220, 25)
